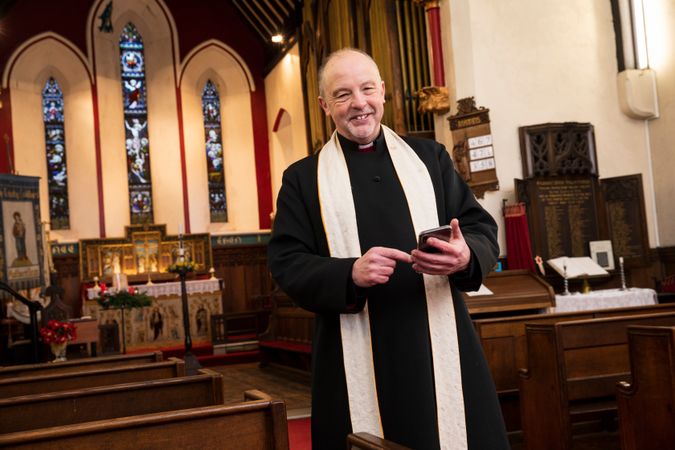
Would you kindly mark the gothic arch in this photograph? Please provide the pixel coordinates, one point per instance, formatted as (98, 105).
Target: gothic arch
(216, 61)
(40, 57)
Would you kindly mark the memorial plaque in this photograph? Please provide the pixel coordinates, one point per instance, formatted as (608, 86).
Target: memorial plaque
(563, 214)
(625, 206)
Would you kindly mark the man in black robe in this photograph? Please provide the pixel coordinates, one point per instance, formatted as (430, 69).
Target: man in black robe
(386, 278)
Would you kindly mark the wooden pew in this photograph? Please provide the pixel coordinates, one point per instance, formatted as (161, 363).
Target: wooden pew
(572, 371)
(288, 339)
(505, 348)
(257, 423)
(80, 364)
(108, 402)
(367, 441)
(54, 382)
(647, 404)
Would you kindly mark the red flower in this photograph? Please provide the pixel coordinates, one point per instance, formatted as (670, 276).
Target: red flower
(58, 332)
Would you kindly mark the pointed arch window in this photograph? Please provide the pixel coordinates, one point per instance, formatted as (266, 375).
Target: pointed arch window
(214, 152)
(136, 125)
(55, 146)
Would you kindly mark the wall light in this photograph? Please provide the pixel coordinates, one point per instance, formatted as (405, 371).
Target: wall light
(278, 38)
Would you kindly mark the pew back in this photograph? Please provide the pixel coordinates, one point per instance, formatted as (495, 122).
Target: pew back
(505, 348)
(80, 364)
(572, 369)
(647, 404)
(108, 402)
(54, 382)
(258, 423)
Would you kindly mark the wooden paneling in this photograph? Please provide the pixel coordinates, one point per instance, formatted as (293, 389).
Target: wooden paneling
(244, 272)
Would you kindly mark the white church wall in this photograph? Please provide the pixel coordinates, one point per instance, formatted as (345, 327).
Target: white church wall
(44, 56)
(537, 61)
(160, 60)
(221, 64)
(660, 25)
(283, 90)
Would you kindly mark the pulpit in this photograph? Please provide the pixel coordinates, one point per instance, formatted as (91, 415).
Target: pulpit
(161, 323)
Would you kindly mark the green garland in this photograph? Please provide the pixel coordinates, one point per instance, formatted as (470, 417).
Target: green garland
(123, 299)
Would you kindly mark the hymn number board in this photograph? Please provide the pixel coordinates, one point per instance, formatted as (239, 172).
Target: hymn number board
(473, 151)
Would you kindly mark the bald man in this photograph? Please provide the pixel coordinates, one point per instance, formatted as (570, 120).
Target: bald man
(394, 350)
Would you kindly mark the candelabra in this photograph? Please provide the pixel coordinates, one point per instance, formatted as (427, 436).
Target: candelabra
(182, 268)
(566, 282)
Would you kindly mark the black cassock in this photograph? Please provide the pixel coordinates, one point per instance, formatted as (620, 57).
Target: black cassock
(300, 263)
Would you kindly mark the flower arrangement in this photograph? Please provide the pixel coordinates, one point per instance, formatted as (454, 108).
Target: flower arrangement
(58, 332)
(123, 299)
(182, 265)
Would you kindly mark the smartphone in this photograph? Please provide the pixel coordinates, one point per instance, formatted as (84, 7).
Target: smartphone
(444, 233)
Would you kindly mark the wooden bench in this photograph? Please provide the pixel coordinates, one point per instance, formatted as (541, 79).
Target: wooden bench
(258, 423)
(572, 371)
(54, 382)
(647, 404)
(288, 340)
(108, 402)
(367, 441)
(505, 348)
(80, 364)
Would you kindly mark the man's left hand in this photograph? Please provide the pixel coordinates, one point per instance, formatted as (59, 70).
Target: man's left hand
(454, 255)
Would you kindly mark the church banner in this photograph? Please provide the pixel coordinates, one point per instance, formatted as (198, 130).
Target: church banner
(21, 246)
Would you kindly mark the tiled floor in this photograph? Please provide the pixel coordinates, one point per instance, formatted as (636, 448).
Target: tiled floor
(279, 384)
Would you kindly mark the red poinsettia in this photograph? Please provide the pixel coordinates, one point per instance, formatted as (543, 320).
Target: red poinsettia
(58, 332)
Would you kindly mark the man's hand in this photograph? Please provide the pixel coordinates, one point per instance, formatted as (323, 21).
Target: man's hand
(454, 255)
(377, 265)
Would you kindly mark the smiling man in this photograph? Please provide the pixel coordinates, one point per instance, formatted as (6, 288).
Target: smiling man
(394, 350)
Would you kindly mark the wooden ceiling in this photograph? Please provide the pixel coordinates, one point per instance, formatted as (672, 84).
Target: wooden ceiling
(271, 17)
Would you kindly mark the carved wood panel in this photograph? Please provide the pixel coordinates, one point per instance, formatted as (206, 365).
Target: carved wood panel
(556, 149)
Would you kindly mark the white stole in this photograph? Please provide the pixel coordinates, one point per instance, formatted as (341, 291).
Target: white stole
(339, 221)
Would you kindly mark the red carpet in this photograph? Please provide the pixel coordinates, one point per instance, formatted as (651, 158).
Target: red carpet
(300, 434)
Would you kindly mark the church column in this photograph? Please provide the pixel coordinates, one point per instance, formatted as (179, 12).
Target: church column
(434, 20)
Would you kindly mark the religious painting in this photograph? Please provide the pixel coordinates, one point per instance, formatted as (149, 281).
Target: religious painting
(146, 250)
(21, 255)
(111, 261)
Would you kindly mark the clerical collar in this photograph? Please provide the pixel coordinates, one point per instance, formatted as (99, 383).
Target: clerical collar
(367, 148)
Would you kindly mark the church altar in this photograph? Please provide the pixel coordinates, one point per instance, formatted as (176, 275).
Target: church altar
(161, 323)
(604, 299)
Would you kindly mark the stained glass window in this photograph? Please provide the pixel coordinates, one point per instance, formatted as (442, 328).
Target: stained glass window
(214, 152)
(55, 145)
(136, 125)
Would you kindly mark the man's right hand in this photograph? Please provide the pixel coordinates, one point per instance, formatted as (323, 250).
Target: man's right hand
(377, 265)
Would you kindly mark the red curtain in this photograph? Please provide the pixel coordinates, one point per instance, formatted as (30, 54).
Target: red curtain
(518, 247)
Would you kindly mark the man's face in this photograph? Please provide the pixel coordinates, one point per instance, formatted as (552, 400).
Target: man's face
(354, 97)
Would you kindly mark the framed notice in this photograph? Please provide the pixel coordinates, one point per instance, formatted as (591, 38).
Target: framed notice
(473, 151)
(602, 254)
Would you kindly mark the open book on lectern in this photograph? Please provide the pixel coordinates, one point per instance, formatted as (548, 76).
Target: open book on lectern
(577, 267)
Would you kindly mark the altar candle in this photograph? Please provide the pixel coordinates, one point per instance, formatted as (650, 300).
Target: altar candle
(181, 251)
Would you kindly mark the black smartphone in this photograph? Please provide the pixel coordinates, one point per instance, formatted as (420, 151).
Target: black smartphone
(443, 233)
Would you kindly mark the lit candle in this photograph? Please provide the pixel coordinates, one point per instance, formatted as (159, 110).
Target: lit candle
(620, 259)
